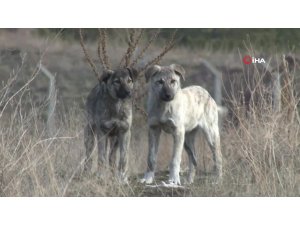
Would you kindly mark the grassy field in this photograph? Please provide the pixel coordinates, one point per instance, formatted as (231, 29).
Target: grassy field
(261, 153)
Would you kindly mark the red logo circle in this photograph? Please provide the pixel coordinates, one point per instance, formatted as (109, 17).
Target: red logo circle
(247, 59)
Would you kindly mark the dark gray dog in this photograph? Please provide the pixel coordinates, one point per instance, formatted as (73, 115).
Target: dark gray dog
(109, 115)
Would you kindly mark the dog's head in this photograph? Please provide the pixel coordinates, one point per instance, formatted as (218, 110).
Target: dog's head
(119, 82)
(165, 80)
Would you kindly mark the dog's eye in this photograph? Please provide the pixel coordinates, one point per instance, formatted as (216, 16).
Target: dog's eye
(160, 82)
(129, 80)
(116, 82)
(173, 81)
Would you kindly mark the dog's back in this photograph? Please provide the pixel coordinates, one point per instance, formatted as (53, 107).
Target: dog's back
(198, 106)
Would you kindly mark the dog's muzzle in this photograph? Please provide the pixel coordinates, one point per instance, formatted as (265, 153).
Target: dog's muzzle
(166, 96)
(122, 94)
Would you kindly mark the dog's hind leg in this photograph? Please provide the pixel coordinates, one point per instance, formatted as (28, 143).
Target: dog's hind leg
(89, 143)
(189, 145)
(213, 137)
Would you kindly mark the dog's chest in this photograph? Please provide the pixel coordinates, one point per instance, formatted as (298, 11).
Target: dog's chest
(168, 125)
(116, 110)
(165, 121)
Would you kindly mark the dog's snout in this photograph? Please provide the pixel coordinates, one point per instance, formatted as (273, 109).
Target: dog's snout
(124, 93)
(168, 96)
(128, 93)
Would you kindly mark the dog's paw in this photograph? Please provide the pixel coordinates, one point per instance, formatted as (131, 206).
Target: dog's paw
(148, 178)
(174, 179)
(171, 185)
(188, 181)
(109, 124)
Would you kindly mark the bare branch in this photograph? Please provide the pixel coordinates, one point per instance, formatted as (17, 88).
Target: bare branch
(87, 56)
(104, 56)
(130, 47)
(99, 49)
(168, 46)
(33, 76)
(140, 109)
(136, 42)
(128, 52)
(141, 54)
(139, 37)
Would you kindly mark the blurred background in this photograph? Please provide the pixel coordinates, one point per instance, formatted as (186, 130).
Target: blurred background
(260, 132)
(63, 56)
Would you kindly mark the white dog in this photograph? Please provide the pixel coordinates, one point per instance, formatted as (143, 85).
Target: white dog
(180, 112)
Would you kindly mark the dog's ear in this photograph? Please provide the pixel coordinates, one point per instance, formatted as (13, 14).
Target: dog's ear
(106, 74)
(151, 71)
(178, 70)
(133, 73)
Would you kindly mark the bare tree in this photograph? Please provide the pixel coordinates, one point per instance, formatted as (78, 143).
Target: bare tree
(131, 57)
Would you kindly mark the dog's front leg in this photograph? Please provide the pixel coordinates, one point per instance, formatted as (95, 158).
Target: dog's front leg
(124, 140)
(153, 141)
(102, 152)
(122, 125)
(178, 136)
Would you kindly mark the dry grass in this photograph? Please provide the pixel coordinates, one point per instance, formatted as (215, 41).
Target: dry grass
(261, 154)
(261, 158)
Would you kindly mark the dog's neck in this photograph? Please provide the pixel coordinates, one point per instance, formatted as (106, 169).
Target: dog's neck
(106, 94)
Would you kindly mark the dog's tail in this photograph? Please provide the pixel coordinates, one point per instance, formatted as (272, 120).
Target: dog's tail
(222, 111)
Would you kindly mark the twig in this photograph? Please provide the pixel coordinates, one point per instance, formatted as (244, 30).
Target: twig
(94, 69)
(33, 76)
(154, 37)
(126, 57)
(102, 42)
(168, 46)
